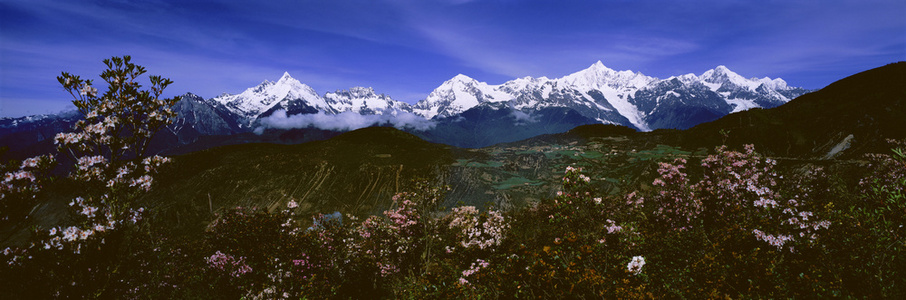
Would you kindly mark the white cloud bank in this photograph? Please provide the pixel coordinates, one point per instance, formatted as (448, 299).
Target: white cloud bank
(344, 121)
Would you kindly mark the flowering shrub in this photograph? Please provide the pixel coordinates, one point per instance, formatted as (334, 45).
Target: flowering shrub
(19, 186)
(738, 190)
(574, 244)
(396, 241)
(111, 169)
(476, 230)
(474, 268)
(873, 265)
(226, 263)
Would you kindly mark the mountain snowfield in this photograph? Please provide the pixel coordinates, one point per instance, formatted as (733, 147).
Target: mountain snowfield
(364, 101)
(611, 97)
(614, 97)
(256, 100)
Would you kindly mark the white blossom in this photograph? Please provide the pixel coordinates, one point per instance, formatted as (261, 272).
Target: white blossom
(635, 265)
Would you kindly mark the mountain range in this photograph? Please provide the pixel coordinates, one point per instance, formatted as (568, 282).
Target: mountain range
(468, 113)
(607, 96)
(461, 111)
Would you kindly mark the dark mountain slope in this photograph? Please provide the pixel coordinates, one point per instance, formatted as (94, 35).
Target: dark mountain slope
(356, 172)
(492, 123)
(861, 110)
(27, 136)
(578, 135)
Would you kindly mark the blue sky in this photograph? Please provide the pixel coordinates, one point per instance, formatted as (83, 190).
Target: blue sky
(407, 48)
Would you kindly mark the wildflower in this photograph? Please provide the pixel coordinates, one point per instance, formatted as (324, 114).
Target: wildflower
(29, 163)
(635, 265)
(88, 90)
(613, 227)
(85, 234)
(70, 234)
(89, 211)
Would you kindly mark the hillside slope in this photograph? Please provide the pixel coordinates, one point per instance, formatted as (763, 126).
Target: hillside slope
(358, 171)
(862, 110)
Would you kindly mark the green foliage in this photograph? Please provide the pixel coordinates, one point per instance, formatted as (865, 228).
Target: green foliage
(869, 250)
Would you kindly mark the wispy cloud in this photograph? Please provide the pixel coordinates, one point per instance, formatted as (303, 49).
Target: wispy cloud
(343, 121)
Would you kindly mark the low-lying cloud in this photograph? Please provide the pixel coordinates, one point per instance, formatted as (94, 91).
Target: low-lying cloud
(344, 121)
(523, 118)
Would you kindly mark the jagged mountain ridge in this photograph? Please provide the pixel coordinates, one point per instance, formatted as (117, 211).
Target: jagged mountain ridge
(597, 93)
(295, 98)
(618, 97)
(365, 101)
(196, 117)
(846, 119)
(611, 97)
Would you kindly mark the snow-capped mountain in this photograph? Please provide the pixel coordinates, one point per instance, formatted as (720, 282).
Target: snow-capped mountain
(608, 96)
(296, 98)
(196, 117)
(745, 93)
(286, 93)
(618, 97)
(458, 94)
(364, 101)
(462, 109)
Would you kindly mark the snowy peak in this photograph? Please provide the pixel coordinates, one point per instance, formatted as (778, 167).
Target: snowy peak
(364, 100)
(256, 100)
(722, 78)
(721, 74)
(286, 77)
(360, 92)
(294, 97)
(589, 78)
(459, 94)
(774, 84)
(461, 78)
(598, 68)
(292, 83)
(598, 76)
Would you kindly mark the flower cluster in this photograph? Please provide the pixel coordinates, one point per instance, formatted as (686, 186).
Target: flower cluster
(573, 178)
(393, 242)
(18, 187)
(612, 227)
(635, 265)
(676, 204)
(228, 264)
(737, 189)
(474, 268)
(98, 222)
(476, 230)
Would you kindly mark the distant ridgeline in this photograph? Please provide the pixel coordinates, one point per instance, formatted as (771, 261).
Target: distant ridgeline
(853, 115)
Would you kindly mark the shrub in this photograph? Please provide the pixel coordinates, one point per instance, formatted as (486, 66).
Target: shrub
(108, 147)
